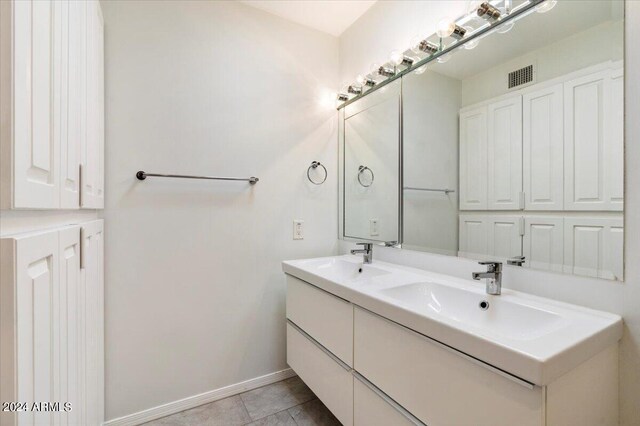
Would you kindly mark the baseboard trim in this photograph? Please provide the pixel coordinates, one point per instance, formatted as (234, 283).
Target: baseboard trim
(196, 400)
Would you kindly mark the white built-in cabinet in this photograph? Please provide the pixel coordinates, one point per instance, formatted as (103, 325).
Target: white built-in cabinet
(556, 145)
(52, 337)
(547, 150)
(52, 104)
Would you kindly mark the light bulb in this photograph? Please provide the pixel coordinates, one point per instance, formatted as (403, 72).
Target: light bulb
(421, 70)
(361, 79)
(396, 57)
(546, 6)
(473, 43)
(504, 28)
(373, 69)
(445, 27)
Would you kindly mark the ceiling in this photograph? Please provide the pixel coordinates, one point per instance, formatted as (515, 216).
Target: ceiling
(329, 16)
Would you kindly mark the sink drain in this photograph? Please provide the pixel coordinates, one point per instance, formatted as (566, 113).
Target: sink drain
(484, 305)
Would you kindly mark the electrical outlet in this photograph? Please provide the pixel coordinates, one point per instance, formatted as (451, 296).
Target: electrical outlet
(298, 229)
(373, 227)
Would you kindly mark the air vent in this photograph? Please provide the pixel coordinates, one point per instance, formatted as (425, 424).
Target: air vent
(521, 76)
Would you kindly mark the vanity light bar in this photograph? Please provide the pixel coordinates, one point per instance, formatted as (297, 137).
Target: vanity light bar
(486, 10)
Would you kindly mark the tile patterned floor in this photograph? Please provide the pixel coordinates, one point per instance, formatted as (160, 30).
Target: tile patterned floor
(286, 403)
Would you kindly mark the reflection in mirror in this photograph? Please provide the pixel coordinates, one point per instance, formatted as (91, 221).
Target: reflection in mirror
(372, 166)
(527, 128)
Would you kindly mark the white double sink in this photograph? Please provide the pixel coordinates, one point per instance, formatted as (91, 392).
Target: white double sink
(533, 338)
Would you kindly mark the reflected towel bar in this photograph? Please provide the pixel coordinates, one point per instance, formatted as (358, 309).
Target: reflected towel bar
(143, 175)
(446, 191)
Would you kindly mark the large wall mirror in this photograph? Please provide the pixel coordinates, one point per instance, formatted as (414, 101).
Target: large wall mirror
(513, 143)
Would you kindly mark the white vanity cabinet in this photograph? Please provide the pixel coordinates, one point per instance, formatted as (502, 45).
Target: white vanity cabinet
(51, 307)
(399, 376)
(52, 107)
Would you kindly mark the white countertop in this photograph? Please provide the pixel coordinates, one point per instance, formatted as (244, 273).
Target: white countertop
(533, 338)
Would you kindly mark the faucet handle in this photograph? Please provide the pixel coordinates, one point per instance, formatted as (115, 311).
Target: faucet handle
(492, 266)
(366, 245)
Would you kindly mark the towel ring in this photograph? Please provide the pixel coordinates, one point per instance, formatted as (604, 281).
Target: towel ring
(361, 170)
(314, 165)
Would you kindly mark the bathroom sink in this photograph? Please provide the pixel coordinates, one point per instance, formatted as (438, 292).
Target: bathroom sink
(532, 338)
(495, 317)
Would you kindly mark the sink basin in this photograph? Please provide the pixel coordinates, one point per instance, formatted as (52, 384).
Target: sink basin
(529, 337)
(495, 317)
(342, 269)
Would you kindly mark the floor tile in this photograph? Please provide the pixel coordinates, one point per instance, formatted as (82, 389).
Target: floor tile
(313, 413)
(271, 399)
(283, 418)
(225, 412)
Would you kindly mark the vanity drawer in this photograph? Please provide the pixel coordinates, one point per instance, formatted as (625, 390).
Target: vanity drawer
(436, 384)
(330, 380)
(326, 318)
(372, 408)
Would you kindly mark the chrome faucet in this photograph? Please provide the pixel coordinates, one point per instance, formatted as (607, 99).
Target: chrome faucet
(367, 252)
(493, 277)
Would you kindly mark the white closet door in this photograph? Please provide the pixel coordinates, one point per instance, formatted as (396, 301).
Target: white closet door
(36, 270)
(504, 236)
(36, 105)
(543, 166)
(614, 148)
(504, 147)
(93, 147)
(473, 159)
(67, 332)
(543, 243)
(473, 237)
(93, 321)
(585, 142)
(593, 246)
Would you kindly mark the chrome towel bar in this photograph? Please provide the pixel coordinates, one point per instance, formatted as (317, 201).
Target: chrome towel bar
(143, 175)
(446, 191)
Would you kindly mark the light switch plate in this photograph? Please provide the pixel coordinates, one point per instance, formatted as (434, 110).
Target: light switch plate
(298, 229)
(373, 227)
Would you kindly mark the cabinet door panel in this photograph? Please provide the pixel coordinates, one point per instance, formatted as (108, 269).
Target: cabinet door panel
(36, 281)
(614, 150)
(68, 330)
(473, 236)
(586, 114)
(504, 237)
(543, 243)
(504, 148)
(594, 246)
(473, 159)
(543, 149)
(36, 150)
(93, 148)
(92, 322)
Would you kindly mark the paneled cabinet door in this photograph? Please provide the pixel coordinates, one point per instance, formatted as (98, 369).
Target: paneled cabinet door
(29, 282)
(37, 106)
(473, 236)
(473, 159)
(504, 150)
(92, 322)
(593, 246)
(543, 243)
(614, 154)
(93, 148)
(543, 166)
(588, 140)
(504, 236)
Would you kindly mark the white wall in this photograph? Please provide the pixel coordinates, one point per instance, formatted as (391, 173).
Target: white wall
(194, 291)
(374, 35)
